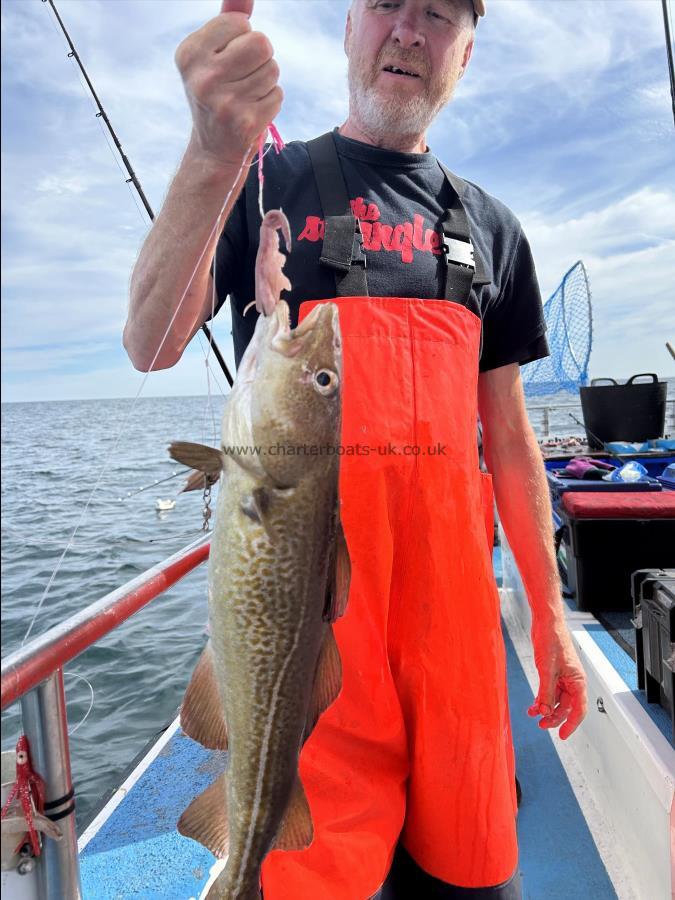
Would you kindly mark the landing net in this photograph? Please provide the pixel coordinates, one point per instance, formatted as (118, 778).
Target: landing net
(569, 322)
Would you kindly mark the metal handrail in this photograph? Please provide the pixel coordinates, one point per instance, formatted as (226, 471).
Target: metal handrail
(34, 675)
(27, 667)
(547, 408)
(553, 406)
(669, 402)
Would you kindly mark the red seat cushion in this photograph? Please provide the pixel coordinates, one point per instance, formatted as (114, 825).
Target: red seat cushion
(619, 505)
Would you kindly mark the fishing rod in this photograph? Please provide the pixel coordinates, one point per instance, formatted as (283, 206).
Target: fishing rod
(669, 52)
(132, 179)
(597, 439)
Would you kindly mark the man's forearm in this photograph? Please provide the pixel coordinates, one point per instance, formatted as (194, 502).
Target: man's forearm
(514, 459)
(169, 263)
(524, 509)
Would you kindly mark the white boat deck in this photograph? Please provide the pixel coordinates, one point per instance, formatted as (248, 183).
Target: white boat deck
(595, 818)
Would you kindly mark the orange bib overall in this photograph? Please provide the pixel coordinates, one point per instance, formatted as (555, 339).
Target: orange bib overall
(417, 746)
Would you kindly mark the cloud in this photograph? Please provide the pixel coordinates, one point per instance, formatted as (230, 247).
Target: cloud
(564, 114)
(628, 249)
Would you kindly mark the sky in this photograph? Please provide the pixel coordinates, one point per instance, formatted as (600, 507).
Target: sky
(564, 114)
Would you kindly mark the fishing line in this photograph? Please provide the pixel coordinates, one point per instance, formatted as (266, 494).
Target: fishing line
(209, 405)
(209, 402)
(171, 538)
(214, 231)
(72, 731)
(213, 373)
(262, 153)
(141, 213)
(277, 143)
(256, 162)
(154, 483)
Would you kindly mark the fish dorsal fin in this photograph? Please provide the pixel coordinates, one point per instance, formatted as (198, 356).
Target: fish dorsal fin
(198, 456)
(205, 819)
(327, 680)
(201, 715)
(296, 830)
(339, 577)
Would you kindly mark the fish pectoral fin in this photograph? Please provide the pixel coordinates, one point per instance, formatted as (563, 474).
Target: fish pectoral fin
(205, 459)
(343, 571)
(201, 715)
(296, 830)
(205, 819)
(198, 481)
(339, 578)
(327, 680)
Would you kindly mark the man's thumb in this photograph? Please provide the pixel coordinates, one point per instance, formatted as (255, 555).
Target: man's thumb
(240, 6)
(544, 702)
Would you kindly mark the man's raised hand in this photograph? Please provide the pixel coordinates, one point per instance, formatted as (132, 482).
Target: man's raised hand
(230, 79)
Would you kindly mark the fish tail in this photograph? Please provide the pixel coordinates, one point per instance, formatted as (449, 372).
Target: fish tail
(222, 889)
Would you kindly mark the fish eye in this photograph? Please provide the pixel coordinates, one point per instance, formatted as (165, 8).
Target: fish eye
(326, 382)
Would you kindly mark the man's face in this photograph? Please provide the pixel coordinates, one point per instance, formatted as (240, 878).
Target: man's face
(430, 39)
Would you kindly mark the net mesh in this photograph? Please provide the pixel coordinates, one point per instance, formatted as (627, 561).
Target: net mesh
(569, 325)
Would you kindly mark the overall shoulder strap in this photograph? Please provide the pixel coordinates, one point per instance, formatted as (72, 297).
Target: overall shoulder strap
(342, 250)
(463, 270)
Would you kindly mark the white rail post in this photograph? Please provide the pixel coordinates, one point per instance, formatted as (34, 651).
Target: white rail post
(45, 725)
(546, 425)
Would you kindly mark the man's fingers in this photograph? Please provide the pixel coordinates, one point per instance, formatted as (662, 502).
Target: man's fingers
(570, 711)
(572, 723)
(246, 54)
(267, 108)
(559, 714)
(261, 82)
(242, 6)
(213, 37)
(539, 709)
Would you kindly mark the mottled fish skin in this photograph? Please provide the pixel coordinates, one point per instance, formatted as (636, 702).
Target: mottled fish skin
(272, 665)
(268, 572)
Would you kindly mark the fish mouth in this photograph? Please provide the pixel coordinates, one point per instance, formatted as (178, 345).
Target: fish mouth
(282, 318)
(308, 322)
(279, 334)
(318, 314)
(289, 342)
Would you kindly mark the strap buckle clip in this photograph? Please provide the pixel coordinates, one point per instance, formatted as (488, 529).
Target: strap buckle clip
(459, 252)
(358, 256)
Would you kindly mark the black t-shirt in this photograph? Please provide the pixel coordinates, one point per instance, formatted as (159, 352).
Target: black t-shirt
(401, 201)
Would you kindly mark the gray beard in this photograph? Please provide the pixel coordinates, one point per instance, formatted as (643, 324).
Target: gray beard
(394, 117)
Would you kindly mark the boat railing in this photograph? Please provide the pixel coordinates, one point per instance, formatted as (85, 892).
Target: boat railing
(34, 675)
(542, 416)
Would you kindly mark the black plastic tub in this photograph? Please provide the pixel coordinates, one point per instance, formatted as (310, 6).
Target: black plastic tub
(624, 412)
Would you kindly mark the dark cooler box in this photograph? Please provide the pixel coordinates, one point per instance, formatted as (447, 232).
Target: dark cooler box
(654, 620)
(605, 537)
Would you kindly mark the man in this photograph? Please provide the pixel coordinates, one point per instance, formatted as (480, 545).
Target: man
(417, 745)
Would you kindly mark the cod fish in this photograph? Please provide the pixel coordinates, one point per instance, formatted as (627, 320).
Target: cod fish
(278, 577)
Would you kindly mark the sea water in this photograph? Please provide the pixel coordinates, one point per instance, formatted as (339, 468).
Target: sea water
(71, 464)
